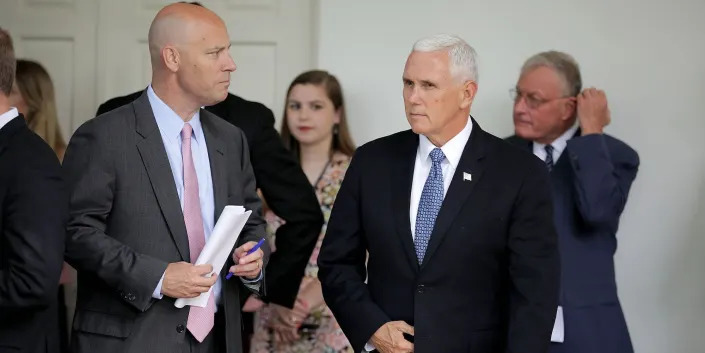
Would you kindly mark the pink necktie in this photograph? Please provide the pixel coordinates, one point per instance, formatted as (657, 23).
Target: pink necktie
(200, 320)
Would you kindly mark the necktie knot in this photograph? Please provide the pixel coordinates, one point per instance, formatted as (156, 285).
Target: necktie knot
(186, 131)
(437, 156)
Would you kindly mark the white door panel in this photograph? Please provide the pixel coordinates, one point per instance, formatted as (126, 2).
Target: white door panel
(97, 49)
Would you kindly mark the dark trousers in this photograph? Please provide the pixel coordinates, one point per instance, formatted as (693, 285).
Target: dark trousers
(248, 329)
(63, 327)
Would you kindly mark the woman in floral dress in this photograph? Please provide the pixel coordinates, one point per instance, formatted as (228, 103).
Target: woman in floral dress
(314, 128)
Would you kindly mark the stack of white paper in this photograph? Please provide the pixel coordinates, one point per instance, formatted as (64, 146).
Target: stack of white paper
(219, 247)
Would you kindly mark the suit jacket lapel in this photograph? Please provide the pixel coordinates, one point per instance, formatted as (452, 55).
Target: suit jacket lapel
(216, 155)
(563, 158)
(402, 173)
(460, 189)
(156, 162)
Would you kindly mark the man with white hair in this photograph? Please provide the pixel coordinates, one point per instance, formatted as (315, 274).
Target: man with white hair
(591, 174)
(458, 226)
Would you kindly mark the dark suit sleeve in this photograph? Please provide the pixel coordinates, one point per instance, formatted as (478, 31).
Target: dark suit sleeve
(117, 102)
(291, 197)
(91, 177)
(342, 265)
(534, 265)
(254, 228)
(34, 218)
(603, 177)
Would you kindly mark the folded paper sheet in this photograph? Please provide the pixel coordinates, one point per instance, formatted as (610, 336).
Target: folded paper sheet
(219, 247)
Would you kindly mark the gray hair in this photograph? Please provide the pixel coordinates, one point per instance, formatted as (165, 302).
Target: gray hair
(563, 64)
(462, 57)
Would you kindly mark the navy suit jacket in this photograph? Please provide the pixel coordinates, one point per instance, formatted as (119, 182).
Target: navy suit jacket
(488, 282)
(33, 214)
(590, 184)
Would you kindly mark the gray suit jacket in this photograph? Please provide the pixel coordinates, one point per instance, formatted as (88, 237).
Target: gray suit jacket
(126, 226)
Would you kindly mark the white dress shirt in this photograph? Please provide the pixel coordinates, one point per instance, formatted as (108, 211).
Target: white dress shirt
(453, 150)
(558, 144)
(170, 125)
(7, 116)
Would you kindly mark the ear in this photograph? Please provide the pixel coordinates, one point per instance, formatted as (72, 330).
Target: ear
(467, 94)
(336, 116)
(569, 108)
(171, 58)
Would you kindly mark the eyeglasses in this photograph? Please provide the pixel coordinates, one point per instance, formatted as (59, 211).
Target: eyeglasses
(532, 101)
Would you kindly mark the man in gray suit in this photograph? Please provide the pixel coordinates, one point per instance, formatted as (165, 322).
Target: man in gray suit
(148, 182)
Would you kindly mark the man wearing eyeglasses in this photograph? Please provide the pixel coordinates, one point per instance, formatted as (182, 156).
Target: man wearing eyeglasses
(591, 173)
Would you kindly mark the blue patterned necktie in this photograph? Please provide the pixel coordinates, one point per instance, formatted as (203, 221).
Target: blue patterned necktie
(549, 157)
(429, 204)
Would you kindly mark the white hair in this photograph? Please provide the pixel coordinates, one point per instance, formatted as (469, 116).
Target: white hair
(462, 57)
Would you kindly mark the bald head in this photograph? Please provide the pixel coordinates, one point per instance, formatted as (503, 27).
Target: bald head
(191, 62)
(180, 25)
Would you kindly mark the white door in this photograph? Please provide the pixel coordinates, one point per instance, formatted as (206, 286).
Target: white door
(61, 35)
(97, 49)
(271, 44)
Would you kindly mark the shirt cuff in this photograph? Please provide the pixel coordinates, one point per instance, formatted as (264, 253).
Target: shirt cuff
(369, 347)
(157, 294)
(253, 284)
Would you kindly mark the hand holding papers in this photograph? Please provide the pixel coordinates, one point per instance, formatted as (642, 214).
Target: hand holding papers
(219, 247)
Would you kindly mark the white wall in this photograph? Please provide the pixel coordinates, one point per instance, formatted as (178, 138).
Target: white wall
(649, 57)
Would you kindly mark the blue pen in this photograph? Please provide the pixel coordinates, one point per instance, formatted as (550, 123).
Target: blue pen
(259, 243)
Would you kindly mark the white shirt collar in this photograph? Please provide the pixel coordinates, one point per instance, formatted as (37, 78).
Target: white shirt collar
(7, 116)
(169, 122)
(453, 149)
(558, 144)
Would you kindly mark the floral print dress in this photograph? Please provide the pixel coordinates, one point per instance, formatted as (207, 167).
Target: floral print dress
(328, 337)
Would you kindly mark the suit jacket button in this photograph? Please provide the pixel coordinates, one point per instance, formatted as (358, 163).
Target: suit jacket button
(131, 297)
(180, 328)
(420, 288)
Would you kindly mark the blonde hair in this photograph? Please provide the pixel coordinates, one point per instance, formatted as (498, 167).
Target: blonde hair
(37, 90)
